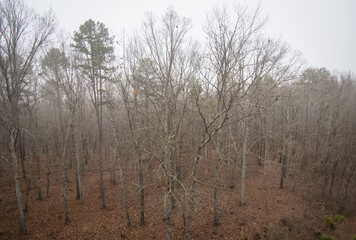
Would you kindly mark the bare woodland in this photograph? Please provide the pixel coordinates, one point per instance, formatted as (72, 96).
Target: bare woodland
(167, 136)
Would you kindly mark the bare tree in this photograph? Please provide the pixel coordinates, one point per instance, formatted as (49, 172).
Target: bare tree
(229, 46)
(64, 165)
(22, 34)
(165, 43)
(117, 155)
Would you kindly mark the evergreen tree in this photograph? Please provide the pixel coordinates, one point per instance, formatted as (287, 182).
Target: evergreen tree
(95, 57)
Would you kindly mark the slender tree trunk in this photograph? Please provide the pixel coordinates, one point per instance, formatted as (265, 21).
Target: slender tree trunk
(142, 190)
(167, 198)
(168, 167)
(117, 158)
(13, 138)
(306, 138)
(29, 182)
(217, 179)
(137, 147)
(343, 175)
(65, 188)
(230, 164)
(112, 162)
(102, 188)
(140, 169)
(123, 191)
(331, 155)
(207, 161)
(192, 193)
(148, 137)
(21, 142)
(38, 176)
(261, 144)
(99, 115)
(167, 201)
(77, 160)
(295, 180)
(48, 171)
(202, 144)
(283, 168)
(285, 150)
(265, 162)
(348, 180)
(64, 167)
(244, 161)
(179, 156)
(332, 178)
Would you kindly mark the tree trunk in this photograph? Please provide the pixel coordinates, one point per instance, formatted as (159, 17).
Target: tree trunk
(99, 115)
(13, 138)
(142, 190)
(102, 188)
(167, 200)
(230, 164)
(38, 176)
(133, 125)
(21, 142)
(112, 162)
(207, 161)
(121, 173)
(28, 179)
(352, 170)
(306, 133)
(167, 151)
(48, 171)
(285, 149)
(192, 193)
(64, 167)
(283, 170)
(265, 162)
(217, 179)
(244, 161)
(78, 162)
(117, 158)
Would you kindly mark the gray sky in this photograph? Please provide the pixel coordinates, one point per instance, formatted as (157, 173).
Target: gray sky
(324, 31)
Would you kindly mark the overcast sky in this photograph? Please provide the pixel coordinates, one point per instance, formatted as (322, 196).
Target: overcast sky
(324, 31)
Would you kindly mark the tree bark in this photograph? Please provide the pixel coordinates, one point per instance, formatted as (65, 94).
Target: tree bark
(167, 151)
(133, 125)
(64, 167)
(265, 162)
(77, 160)
(192, 193)
(244, 161)
(13, 139)
(285, 149)
(48, 171)
(121, 172)
(217, 179)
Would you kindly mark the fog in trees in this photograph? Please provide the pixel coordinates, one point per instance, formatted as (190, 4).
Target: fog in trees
(156, 134)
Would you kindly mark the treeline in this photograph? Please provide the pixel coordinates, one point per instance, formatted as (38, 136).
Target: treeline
(169, 106)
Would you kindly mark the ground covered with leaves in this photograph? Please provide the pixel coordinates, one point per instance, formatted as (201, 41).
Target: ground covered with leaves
(270, 213)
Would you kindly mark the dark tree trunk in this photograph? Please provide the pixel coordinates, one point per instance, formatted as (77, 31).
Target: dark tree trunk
(283, 170)
(78, 162)
(48, 171)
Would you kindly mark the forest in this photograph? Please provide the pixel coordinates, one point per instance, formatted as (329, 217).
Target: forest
(157, 135)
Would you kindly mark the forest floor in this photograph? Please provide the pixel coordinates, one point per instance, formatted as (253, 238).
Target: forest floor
(270, 213)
